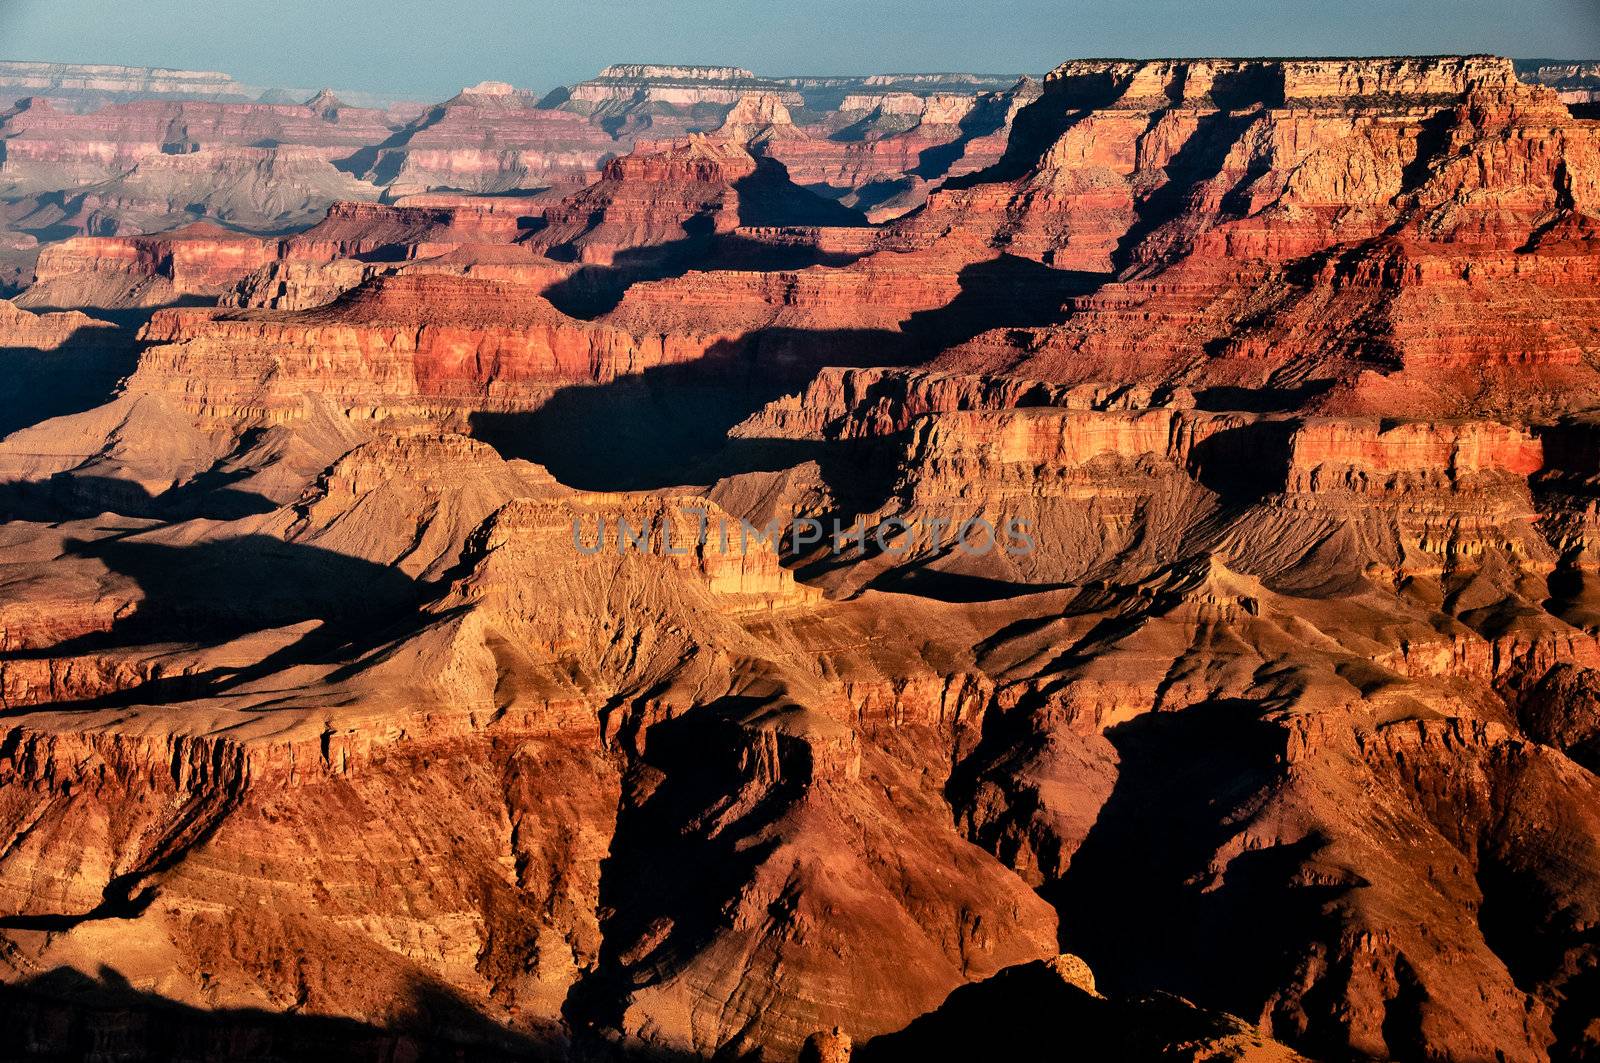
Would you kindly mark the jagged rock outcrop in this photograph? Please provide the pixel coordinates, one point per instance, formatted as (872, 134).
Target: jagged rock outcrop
(689, 191)
(1283, 258)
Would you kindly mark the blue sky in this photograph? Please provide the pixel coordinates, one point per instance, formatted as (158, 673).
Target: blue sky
(428, 49)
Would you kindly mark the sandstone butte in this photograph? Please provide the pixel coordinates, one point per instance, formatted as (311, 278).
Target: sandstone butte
(319, 732)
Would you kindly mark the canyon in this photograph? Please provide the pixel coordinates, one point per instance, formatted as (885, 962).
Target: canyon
(395, 658)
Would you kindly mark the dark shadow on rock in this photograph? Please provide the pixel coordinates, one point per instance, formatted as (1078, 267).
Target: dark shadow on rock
(70, 496)
(229, 587)
(64, 1016)
(364, 162)
(1577, 1040)
(861, 473)
(1030, 1013)
(765, 198)
(80, 374)
(1225, 398)
(214, 591)
(1244, 464)
(983, 120)
(673, 858)
(878, 191)
(642, 431)
(123, 899)
(925, 581)
(594, 290)
(1369, 343)
(1432, 141)
(1160, 920)
(1007, 291)
(1200, 159)
(130, 319)
(1248, 86)
(768, 198)
(1539, 951)
(658, 427)
(875, 124)
(129, 893)
(1065, 102)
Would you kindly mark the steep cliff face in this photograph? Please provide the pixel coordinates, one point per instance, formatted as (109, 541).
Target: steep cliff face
(1281, 224)
(679, 195)
(56, 363)
(400, 345)
(653, 100)
(863, 403)
(883, 153)
(487, 141)
(197, 260)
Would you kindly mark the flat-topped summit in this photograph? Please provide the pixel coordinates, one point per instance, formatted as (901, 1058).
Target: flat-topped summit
(672, 72)
(495, 95)
(936, 79)
(1291, 79)
(110, 78)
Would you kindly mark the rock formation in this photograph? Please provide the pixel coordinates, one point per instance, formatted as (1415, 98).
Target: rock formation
(105, 80)
(875, 568)
(125, 151)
